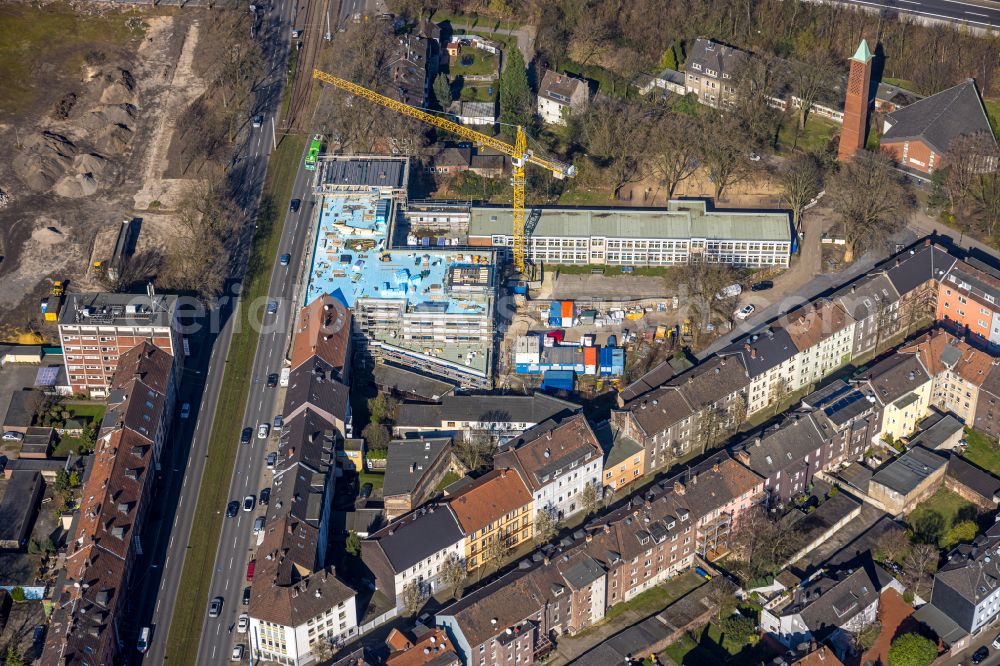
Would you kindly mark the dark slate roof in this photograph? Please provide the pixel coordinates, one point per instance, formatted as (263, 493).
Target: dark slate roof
(713, 55)
(582, 571)
(376, 172)
(762, 350)
(649, 381)
(895, 377)
(911, 268)
(863, 297)
(935, 433)
(939, 119)
(776, 449)
(857, 476)
(408, 461)
(940, 623)
(314, 384)
(417, 535)
(839, 402)
(534, 408)
(832, 600)
(972, 569)
(979, 480)
(16, 512)
(20, 408)
(909, 470)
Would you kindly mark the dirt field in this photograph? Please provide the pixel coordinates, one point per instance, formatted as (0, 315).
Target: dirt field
(87, 128)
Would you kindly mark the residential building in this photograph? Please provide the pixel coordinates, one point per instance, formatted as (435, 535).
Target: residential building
(987, 417)
(411, 70)
(908, 480)
(827, 608)
(560, 95)
(323, 330)
(22, 492)
(668, 80)
(873, 303)
(850, 415)
(823, 332)
(967, 586)
(685, 231)
(411, 550)
(500, 414)
(496, 515)
(452, 160)
(407, 385)
(771, 360)
(414, 469)
(902, 387)
(711, 71)
(558, 460)
(957, 369)
(789, 455)
(429, 647)
(920, 135)
(96, 329)
(85, 624)
(916, 274)
(624, 461)
(314, 387)
(854, 131)
(968, 303)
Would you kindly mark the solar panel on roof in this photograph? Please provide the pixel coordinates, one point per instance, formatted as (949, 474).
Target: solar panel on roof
(46, 376)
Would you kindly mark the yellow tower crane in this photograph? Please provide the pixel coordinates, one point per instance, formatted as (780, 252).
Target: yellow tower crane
(518, 153)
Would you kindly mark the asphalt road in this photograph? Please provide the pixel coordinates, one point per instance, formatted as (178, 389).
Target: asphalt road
(165, 536)
(980, 13)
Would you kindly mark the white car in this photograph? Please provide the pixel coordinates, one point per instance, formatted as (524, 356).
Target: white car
(262, 431)
(12, 436)
(243, 623)
(237, 652)
(996, 642)
(185, 410)
(745, 312)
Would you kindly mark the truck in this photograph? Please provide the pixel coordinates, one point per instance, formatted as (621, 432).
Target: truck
(283, 379)
(58, 287)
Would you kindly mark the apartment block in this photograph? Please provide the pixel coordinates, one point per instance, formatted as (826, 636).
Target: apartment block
(496, 514)
(96, 329)
(711, 71)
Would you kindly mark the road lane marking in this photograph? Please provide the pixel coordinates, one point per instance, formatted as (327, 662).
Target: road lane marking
(977, 14)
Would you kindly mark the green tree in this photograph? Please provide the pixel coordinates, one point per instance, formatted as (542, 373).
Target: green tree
(738, 631)
(929, 527)
(961, 532)
(442, 91)
(515, 93)
(14, 656)
(17, 594)
(381, 408)
(376, 436)
(912, 650)
(353, 543)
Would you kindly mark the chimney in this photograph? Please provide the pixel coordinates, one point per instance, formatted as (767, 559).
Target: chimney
(756, 441)
(753, 353)
(678, 487)
(743, 456)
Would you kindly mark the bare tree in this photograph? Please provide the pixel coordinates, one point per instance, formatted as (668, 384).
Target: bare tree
(964, 160)
(759, 80)
(871, 200)
(811, 76)
(414, 598)
(725, 153)
(760, 545)
(863, 637)
(893, 545)
(616, 134)
(675, 149)
(546, 525)
(721, 596)
(919, 566)
(475, 450)
(497, 551)
(801, 179)
(985, 194)
(591, 498)
(703, 281)
(453, 575)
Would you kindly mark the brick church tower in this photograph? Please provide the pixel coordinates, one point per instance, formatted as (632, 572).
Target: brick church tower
(853, 135)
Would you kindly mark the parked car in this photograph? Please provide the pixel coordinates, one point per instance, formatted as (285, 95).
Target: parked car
(272, 458)
(278, 422)
(237, 652)
(143, 644)
(980, 655)
(763, 285)
(366, 491)
(285, 259)
(249, 502)
(243, 623)
(996, 642)
(745, 311)
(215, 607)
(732, 291)
(258, 525)
(251, 565)
(258, 120)
(272, 380)
(246, 435)
(232, 509)
(246, 595)
(265, 496)
(294, 204)
(12, 436)
(263, 430)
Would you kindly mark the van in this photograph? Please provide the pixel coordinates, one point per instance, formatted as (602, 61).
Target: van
(258, 526)
(143, 644)
(250, 567)
(285, 373)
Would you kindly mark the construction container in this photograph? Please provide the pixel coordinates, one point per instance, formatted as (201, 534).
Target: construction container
(558, 380)
(527, 349)
(587, 317)
(555, 313)
(555, 336)
(590, 360)
(567, 313)
(612, 362)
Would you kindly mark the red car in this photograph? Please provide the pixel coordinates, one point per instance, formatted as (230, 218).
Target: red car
(250, 568)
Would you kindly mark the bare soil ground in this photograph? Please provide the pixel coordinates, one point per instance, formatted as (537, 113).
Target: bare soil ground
(87, 128)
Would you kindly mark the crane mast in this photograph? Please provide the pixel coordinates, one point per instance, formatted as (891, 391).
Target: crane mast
(518, 153)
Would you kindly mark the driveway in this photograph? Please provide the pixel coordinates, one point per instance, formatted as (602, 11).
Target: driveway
(525, 36)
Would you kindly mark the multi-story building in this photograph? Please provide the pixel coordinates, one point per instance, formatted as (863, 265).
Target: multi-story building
(499, 414)
(413, 470)
(432, 647)
(823, 332)
(771, 360)
(86, 622)
(958, 370)
(685, 231)
(873, 303)
(624, 462)
(96, 329)
(987, 417)
(412, 549)
(901, 386)
(559, 95)
(558, 460)
(908, 480)
(851, 417)
(711, 71)
(496, 514)
(969, 303)
(967, 586)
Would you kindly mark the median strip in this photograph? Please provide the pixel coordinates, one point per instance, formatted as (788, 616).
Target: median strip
(192, 596)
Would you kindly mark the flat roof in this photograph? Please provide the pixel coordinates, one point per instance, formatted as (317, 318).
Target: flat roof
(105, 309)
(365, 171)
(681, 219)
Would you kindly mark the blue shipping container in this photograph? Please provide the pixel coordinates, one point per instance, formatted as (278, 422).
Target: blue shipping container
(555, 314)
(558, 380)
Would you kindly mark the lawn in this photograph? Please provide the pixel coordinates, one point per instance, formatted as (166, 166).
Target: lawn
(613, 271)
(482, 62)
(982, 450)
(449, 478)
(66, 37)
(993, 113)
(441, 15)
(185, 625)
(946, 504)
(608, 83)
(377, 479)
(812, 139)
(87, 410)
(657, 598)
(585, 196)
(478, 93)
